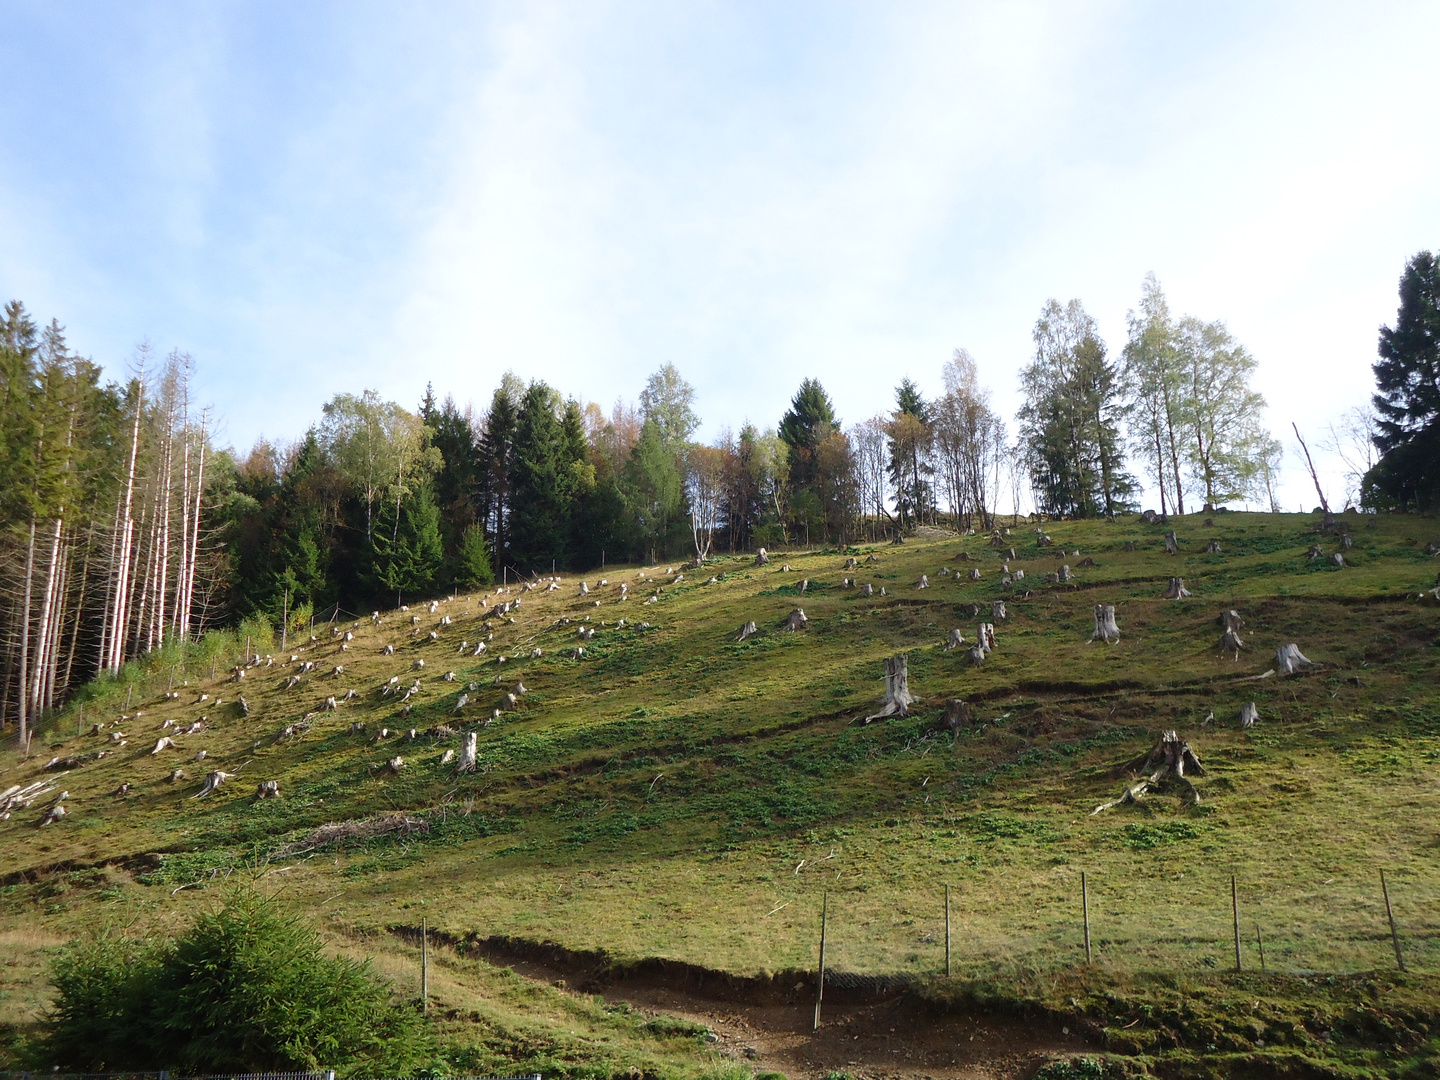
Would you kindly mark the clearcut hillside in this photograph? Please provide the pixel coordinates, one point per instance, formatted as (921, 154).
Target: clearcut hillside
(673, 792)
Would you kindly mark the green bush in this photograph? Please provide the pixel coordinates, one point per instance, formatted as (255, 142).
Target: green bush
(245, 988)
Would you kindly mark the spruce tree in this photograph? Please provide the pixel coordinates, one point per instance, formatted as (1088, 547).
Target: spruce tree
(1407, 377)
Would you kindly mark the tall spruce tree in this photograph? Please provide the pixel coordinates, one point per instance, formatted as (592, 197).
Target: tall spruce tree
(1407, 379)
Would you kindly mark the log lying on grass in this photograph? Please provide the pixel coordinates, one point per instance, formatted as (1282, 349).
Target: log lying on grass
(1105, 625)
(1170, 760)
(1177, 590)
(898, 698)
(1289, 659)
(1248, 714)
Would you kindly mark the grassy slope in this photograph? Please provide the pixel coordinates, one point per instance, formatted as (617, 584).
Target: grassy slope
(658, 796)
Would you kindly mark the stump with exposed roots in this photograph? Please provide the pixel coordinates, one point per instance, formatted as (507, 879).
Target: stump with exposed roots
(746, 630)
(1177, 590)
(762, 558)
(1212, 548)
(957, 715)
(1289, 659)
(796, 620)
(213, 783)
(956, 640)
(1170, 761)
(898, 698)
(1106, 628)
(1248, 714)
(974, 574)
(268, 789)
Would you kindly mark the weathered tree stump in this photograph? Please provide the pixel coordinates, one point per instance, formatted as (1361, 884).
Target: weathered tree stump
(1338, 559)
(1105, 625)
(851, 564)
(1172, 545)
(1315, 552)
(1177, 590)
(1064, 576)
(469, 753)
(957, 715)
(923, 583)
(394, 765)
(213, 782)
(974, 574)
(955, 641)
(163, 743)
(746, 630)
(804, 586)
(1129, 545)
(997, 611)
(1248, 714)
(268, 789)
(762, 558)
(1289, 659)
(795, 620)
(985, 634)
(54, 814)
(867, 589)
(1212, 548)
(898, 698)
(1170, 760)
(976, 655)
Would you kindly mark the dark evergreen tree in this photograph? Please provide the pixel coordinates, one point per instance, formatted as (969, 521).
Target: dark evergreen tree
(1407, 378)
(473, 569)
(457, 481)
(408, 551)
(540, 484)
(497, 454)
(810, 418)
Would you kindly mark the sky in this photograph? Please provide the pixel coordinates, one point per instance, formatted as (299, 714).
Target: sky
(313, 198)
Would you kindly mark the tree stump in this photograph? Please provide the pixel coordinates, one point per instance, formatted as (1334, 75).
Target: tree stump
(1315, 552)
(957, 715)
(1212, 548)
(1063, 577)
(1129, 545)
(461, 702)
(213, 782)
(974, 574)
(394, 765)
(1170, 760)
(923, 583)
(795, 620)
(1149, 517)
(268, 789)
(1172, 545)
(976, 655)
(1289, 659)
(746, 630)
(1248, 714)
(1338, 559)
(469, 754)
(851, 564)
(54, 814)
(986, 636)
(1105, 626)
(997, 611)
(762, 558)
(1230, 642)
(956, 640)
(804, 586)
(898, 698)
(867, 589)
(1177, 590)
(162, 744)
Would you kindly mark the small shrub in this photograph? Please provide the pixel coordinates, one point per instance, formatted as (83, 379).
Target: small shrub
(245, 988)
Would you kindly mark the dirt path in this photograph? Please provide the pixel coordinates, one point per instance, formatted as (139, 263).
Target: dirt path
(888, 1036)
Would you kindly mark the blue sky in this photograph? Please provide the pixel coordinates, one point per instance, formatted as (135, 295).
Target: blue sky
(314, 197)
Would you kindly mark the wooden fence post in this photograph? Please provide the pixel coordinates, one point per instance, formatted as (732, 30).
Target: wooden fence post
(947, 931)
(424, 968)
(1260, 944)
(1085, 906)
(820, 978)
(1389, 914)
(1235, 910)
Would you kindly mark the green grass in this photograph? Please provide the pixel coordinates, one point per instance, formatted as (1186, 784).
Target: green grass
(677, 794)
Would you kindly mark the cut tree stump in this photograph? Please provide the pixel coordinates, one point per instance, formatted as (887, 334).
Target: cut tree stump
(898, 698)
(213, 782)
(1212, 548)
(762, 558)
(923, 583)
(469, 753)
(986, 636)
(1105, 626)
(268, 789)
(851, 564)
(957, 715)
(867, 589)
(956, 640)
(974, 574)
(997, 611)
(976, 655)
(796, 620)
(1172, 545)
(1338, 559)
(1129, 545)
(1289, 659)
(746, 630)
(1177, 590)
(1170, 760)
(1230, 642)
(1248, 714)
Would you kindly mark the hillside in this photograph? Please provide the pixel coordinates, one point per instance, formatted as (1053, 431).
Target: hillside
(674, 793)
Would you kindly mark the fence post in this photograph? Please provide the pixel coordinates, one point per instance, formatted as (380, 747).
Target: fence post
(424, 969)
(1085, 906)
(1260, 944)
(820, 978)
(947, 931)
(1394, 937)
(1235, 910)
